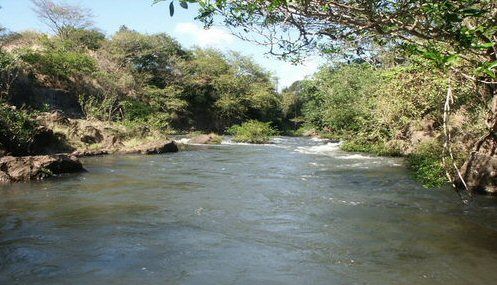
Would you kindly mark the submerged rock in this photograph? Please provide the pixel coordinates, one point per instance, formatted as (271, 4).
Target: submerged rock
(206, 139)
(26, 168)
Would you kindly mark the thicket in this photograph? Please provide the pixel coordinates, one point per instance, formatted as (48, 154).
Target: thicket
(16, 130)
(148, 81)
(393, 110)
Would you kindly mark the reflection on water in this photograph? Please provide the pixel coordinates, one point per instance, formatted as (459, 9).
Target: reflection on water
(296, 212)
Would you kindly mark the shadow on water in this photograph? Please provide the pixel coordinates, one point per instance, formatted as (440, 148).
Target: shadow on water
(295, 212)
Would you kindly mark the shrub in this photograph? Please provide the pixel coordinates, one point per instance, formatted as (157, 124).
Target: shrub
(16, 130)
(360, 144)
(8, 73)
(60, 64)
(90, 39)
(252, 132)
(426, 164)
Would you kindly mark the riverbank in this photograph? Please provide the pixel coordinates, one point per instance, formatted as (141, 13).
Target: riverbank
(56, 143)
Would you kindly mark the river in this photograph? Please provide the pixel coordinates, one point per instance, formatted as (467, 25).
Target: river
(299, 211)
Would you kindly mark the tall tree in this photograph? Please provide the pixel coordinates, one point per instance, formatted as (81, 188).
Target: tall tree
(61, 17)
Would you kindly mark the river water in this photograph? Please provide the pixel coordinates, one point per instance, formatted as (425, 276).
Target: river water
(295, 212)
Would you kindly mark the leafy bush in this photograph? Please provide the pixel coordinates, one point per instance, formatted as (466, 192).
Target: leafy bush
(90, 39)
(426, 164)
(252, 132)
(377, 148)
(16, 130)
(59, 63)
(8, 73)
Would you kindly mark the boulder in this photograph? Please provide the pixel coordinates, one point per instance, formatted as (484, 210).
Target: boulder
(206, 139)
(91, 135)
(153, 148)
(27, 168)
(112, 138)
(480, 174)
(57, 117)
(87, 153)
(45, 141)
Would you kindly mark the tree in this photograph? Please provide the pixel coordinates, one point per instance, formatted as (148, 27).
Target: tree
(91, 39)
(154, 56)
(9, 72)
(458, 36)
(62, 18)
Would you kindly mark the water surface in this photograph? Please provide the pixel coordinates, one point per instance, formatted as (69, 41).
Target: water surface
(296, 212)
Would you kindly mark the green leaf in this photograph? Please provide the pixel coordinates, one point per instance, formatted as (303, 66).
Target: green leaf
(451, 59)
(171, 9)
(486, 45)
(489, 72)
(183, 4)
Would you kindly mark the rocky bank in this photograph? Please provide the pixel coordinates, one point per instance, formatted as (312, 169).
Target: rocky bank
(59, 142)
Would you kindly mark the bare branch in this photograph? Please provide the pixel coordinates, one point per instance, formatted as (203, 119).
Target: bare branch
(61, 16)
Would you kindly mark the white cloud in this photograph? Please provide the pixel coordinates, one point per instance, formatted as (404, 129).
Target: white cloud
(214, 36)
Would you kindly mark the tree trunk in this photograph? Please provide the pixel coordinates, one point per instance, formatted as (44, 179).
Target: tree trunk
(480, 169)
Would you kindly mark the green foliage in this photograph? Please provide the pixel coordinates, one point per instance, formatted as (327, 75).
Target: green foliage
(6, 60)
(90, 39)
(8, 73)
(153, 58)
(426, 164)
(360, 144)
(229, 89)
(338, 99)
(150, 80)
(252, 132)
(16, 130)
(448, 32)
(57, 61)
(159, 109)
(377, 110)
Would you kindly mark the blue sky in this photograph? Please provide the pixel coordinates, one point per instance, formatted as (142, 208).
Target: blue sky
(17, 15)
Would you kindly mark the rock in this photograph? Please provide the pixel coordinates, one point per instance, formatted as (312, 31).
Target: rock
(42, 139)
(153, 148)
(53, 118)
(206, 139)
(480, 174)
(428, 125)
(112, 138)
(418, 137)
(45, 141)
(112, 141)
(421, 132)
(87, 153)
(311, 133)
(58, 118)
(91, 135)
(4, 178)
(26, 168)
